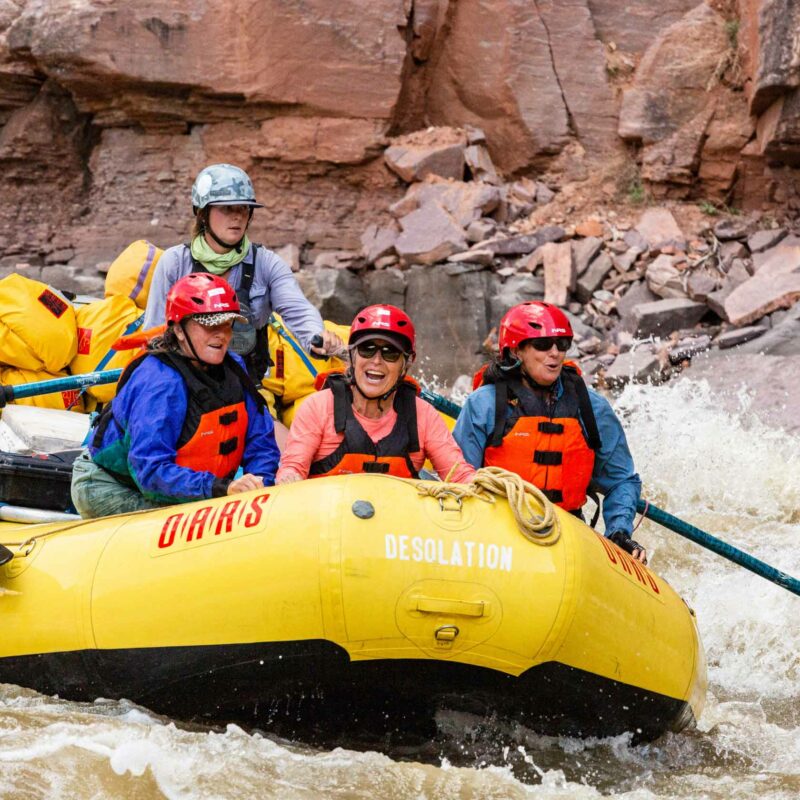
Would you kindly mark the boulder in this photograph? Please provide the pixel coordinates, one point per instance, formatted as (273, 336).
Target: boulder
(776, 285)
(783, 339)
(465, 202)
(517, 289)
(731, 228)
(524, 244)
(482, 257)
(385, 286)
(480, 229)
(337, 293)
(559, 272)
(637, 294)
(664, 279)
(593, 278)
(664, 316)
(583, 251)
(479, 163)
(739, 336)
(658, 228)
(639, 365)
(435, 151)
(736, 276)
(429, 235)
(765, 240)
(450, 316)
(675, 159)
(701, 283)
(377, 242)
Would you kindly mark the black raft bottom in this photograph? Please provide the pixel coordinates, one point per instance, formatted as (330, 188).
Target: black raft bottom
(311, 691)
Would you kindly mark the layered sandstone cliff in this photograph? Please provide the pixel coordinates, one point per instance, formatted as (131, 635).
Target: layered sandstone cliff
(109, 107)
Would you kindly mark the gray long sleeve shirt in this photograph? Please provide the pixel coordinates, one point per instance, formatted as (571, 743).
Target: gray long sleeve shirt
(274, 288)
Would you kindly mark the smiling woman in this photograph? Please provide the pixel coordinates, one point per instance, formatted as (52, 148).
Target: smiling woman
(185, 418)
(370, 418)
(534, 415)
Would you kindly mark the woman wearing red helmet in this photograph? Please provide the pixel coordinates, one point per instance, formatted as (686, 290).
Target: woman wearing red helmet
(534, 415)
(185, 418)
(370, 418)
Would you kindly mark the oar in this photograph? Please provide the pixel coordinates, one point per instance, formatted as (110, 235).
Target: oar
(718, 546)
(10, 393)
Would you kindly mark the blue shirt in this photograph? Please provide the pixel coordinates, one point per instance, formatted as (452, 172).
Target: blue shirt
(142, 437)
(614, 475)
(274, 287)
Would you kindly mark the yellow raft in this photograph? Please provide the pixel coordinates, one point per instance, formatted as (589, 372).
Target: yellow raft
(349, 601)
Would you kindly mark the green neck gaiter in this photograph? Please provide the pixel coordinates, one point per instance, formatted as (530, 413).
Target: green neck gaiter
(218, 263)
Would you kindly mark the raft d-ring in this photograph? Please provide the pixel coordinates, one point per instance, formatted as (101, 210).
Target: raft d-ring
(30, 544)
(446, 634)
(458, 498)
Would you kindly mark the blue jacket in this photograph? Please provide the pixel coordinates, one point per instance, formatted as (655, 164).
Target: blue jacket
(614, 475)
(147, 419)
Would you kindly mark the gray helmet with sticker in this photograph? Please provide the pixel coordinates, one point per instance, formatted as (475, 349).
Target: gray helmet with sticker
(223, 185)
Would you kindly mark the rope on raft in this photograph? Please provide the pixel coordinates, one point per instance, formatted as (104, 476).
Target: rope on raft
(524, 500)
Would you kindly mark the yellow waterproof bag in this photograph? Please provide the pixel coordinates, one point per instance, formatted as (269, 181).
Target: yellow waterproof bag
(100, 324)
(37, 326)
(290, 377)
(131, 272)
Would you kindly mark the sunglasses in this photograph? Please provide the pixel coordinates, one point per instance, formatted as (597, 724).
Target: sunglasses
(388, 353)
(543, 344)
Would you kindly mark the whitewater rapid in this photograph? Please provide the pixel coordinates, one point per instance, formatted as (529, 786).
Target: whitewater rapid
(731, 474)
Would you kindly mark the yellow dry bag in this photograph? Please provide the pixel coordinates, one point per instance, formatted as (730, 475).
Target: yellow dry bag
(132, 270)
(37, 326)
(100, 324)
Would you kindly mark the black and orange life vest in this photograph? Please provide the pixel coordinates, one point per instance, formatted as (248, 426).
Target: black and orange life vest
(357, 452)
(543, 439)
(214, 431)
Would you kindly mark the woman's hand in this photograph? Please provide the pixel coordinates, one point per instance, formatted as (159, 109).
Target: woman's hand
(289, 477)
(327, 344)
(245, 484)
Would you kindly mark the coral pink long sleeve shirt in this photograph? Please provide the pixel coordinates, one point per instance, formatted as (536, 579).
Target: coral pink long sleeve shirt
(312, 437)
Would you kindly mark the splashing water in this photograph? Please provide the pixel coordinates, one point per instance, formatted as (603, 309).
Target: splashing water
(728, 473)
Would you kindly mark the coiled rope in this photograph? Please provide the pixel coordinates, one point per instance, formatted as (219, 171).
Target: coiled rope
(523, 500)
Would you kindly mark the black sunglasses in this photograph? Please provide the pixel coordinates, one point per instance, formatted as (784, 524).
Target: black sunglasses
(543, 344)
(388, 353)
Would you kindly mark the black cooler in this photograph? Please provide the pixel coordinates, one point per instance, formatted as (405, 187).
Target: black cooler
(38, 481)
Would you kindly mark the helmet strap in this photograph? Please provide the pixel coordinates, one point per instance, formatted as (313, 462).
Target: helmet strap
(386, 395)
(191, 344)
(207, 227)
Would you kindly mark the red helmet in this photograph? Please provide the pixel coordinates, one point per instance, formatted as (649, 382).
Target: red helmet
(388, 322)
(531, 320)
(201, 293)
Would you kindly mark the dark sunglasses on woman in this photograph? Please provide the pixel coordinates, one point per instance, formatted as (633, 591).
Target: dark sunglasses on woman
(544, 343)
(388, 353)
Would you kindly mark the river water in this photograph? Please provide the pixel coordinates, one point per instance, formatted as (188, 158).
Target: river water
(728, 473)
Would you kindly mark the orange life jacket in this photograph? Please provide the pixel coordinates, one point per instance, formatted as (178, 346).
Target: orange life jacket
(543, 439)
(357, 452)
(213, 435)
